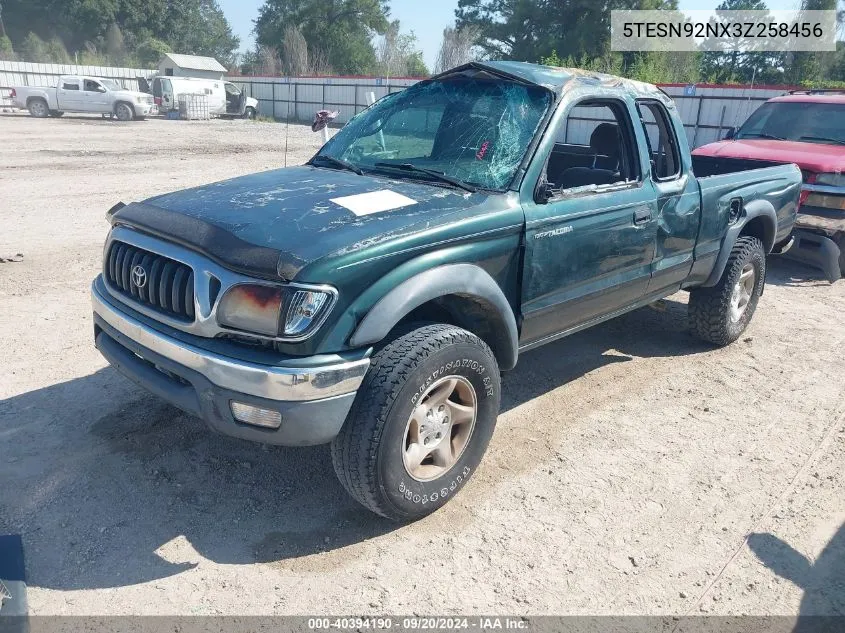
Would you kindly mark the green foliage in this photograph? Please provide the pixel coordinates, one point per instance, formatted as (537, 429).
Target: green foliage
(7, 52)
(576, 33)
(338, 30)
(150, 51)
(399, 55)
(528, 30)
(33, 48)
(416, 65)
(742, 67)
(118, 31)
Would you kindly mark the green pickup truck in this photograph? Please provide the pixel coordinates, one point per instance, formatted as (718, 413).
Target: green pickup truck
(371, 297)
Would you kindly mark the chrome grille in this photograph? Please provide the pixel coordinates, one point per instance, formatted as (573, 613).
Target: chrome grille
(168, 285)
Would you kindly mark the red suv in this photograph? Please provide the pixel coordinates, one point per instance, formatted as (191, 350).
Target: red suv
(808, 129)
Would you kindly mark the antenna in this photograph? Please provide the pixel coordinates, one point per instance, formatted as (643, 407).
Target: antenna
(287, 125)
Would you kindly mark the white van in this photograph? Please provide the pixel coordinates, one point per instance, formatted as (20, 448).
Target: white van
(224, 97)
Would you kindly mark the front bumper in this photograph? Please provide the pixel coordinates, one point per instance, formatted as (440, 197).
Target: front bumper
(312, 395)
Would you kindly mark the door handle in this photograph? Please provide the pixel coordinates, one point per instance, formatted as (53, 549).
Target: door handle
(641, 216)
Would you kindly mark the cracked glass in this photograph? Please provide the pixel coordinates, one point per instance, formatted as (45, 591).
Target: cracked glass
(470, 127)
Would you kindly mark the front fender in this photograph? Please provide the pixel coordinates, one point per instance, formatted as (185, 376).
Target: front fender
(467, 281)
(762, 209)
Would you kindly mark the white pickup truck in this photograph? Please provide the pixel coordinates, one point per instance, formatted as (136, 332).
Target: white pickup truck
(83, 94)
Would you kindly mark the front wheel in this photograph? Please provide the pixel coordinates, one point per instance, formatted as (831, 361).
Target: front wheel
(124, 112)
(420, 423)
(720, 314)
(250, 113)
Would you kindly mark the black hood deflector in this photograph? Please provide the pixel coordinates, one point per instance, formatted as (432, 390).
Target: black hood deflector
(217, 243)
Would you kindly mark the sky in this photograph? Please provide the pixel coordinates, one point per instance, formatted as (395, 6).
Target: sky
(427, 18)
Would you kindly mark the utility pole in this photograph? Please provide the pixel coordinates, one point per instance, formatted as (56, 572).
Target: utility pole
(2, 28)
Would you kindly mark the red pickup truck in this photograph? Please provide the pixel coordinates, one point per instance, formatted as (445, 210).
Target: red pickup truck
(806, 128)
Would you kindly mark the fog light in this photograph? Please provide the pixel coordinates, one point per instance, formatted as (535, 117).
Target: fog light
(256, 415)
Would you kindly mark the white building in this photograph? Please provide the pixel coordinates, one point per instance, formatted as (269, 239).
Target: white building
(174, 65)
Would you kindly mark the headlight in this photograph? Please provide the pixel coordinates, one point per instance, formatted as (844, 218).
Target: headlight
(251, 307)
(259, 308)
(834, 180)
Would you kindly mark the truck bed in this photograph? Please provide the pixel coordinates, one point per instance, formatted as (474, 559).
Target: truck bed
(755, 182)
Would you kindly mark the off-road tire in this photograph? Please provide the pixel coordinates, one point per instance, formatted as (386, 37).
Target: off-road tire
(368, 453)
(38, 108)
(710, 308)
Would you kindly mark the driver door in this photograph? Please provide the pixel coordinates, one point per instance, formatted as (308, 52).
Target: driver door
(95, 96)
(589, 241)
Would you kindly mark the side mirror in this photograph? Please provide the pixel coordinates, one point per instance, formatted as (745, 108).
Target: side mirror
(730, 134)
(543, 193)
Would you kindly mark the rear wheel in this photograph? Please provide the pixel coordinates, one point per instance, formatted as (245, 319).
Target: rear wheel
(56, 113)
(38, 108)
(420, 423)
(720, 314)
(124, 112)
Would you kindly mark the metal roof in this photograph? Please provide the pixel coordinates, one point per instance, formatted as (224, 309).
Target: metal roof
(195, 62)
(559, 80)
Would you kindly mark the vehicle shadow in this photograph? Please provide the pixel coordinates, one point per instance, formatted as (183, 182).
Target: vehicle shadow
(822, 580)
(111, 487)
(782, 271)
(85, 118)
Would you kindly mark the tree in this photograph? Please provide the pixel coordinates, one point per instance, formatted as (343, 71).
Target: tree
(150, 50)
(115, 46)
(340, 30)
(295, 53)
(456, 48)
(34, 49)
(527, 30)
(90, 27)
(7, 52)
(398, 55)
(805, 67)
(740, 65)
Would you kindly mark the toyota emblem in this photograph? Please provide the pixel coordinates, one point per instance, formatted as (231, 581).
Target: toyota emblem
(139, 276)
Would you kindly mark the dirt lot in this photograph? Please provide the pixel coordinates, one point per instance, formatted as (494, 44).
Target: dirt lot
(634, 470)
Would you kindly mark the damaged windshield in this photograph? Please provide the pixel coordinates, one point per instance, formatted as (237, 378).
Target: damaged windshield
(474, 130)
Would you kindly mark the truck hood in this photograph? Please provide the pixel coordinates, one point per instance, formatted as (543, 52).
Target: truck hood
(815, 157)
(297, 215)
(130, 94)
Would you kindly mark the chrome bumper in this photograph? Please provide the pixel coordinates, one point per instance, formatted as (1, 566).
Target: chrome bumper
(273, 382)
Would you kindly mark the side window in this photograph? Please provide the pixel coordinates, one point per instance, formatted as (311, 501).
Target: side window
(595, 146)
(157, 87)
(662, 142)
(67, 85)
(92, 86)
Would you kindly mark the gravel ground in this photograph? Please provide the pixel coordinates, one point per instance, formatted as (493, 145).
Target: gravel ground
(633, 471)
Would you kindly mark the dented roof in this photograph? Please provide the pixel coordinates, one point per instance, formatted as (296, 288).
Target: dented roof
(560, 80)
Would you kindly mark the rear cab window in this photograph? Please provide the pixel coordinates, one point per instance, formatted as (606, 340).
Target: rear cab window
(663, 150)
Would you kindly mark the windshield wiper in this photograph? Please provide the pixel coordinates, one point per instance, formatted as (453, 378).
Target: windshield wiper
(822, 138)
(437, 175)
(763, 135)
(344, 164)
